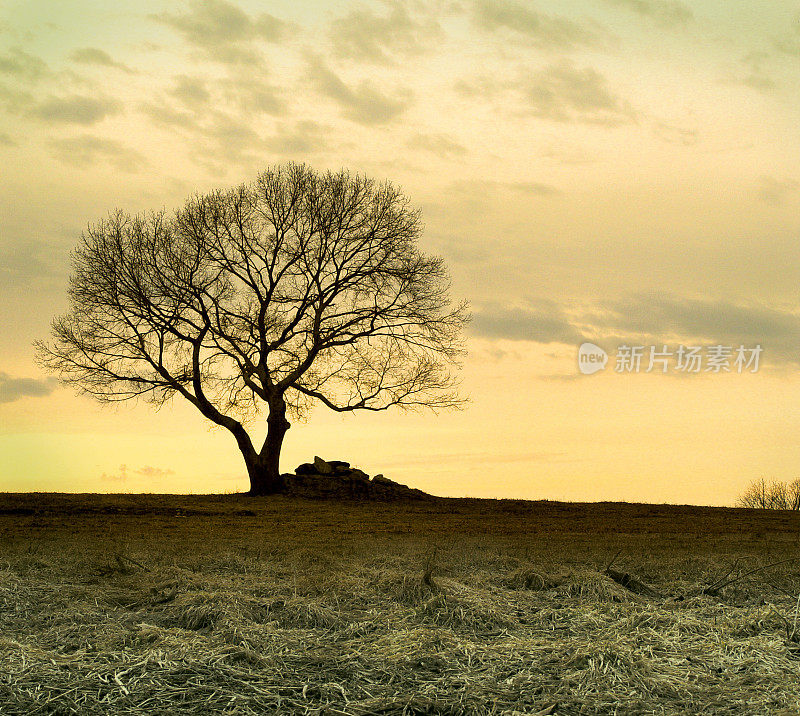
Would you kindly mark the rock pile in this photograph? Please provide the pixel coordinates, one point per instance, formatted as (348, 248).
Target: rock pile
(336, 479)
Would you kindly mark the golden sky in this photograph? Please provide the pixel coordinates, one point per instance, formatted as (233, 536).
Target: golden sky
(623, 172)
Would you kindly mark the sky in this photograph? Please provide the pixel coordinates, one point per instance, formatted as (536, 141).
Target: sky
(624, 173)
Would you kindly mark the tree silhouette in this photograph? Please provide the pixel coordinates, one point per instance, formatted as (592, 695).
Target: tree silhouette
(295, 289)
(776, 495)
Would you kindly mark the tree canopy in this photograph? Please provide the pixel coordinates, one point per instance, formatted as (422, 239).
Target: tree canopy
(295, 289)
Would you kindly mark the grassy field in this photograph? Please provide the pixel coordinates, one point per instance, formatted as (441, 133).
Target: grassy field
(148, 604)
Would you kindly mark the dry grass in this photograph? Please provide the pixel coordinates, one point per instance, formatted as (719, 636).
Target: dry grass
(168, 605)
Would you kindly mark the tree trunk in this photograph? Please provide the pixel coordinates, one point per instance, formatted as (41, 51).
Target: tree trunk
(263, 468)
(264, 479)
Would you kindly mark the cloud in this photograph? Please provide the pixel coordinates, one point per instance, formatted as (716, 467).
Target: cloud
(566, 93)
(789, 42)
(364, 36)
(75, 109)
(547, 31)
(482, 200)
(12, 389)
(303, 137)
(534, 188)
(560, 92)
(25, 263)
(95, 56)
(757, 76)
(648, 319)
(217, 134)
(122, 476)
(788, 45)
(482, 86)
(487, 189)
(667, 13)
(14, 100)
(541, 321)
(147, 471)
(676, 135)
(253, 94)
(87, 150)
(231, 132)
(775, 191)
(167, 116)
(106, 477)
(364, 105)
(22, 65)
(223, 31)
(708, 321)
(250, 94)
(439, 144)
(759, 82)
(150, 471)
(191, 91)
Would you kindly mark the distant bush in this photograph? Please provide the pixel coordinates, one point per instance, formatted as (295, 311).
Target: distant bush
(775, 495)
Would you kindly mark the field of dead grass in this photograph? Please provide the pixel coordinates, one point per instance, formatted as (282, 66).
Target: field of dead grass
(154, 604)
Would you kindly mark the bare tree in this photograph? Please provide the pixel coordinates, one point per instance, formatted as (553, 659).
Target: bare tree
(776, 495)
(793, 495)
(298, 288)
(756, 495)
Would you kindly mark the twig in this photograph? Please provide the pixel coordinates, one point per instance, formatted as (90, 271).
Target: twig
(427, 575)
(121, 557)
(631, 583)
(613, 559)
(724, 576)
(121, 685)
(628, 580)
(715, 588)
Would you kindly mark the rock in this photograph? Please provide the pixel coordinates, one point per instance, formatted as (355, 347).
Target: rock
(335, 479)
(322, 467)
